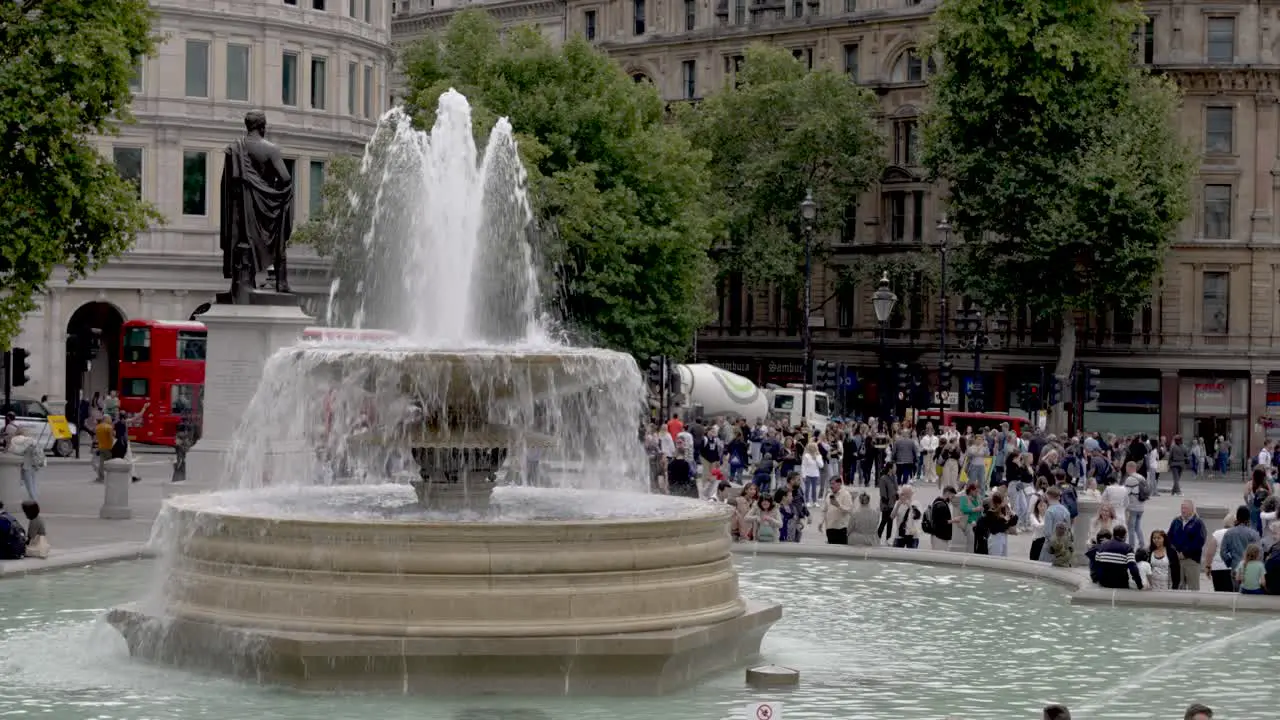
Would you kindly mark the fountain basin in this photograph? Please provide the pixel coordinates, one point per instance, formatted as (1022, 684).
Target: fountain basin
(543, 588)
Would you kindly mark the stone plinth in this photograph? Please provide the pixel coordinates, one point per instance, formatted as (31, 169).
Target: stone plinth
(1080, 527)
(115, 490)
(1213, 516)
(241, 338)
(772, 676)
(11, 492)
(632, 605)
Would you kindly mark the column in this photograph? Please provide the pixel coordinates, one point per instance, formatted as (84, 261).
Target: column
(1266, 110)
(1169, 403)
(1257, 409)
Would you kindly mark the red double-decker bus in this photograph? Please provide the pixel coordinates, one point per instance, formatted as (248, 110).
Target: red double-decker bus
(161, 377)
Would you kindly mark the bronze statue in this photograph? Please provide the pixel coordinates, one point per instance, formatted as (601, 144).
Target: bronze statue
(257, 211)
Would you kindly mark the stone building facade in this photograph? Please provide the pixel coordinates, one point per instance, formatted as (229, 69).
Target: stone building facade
(1198, 360)
(318, 68)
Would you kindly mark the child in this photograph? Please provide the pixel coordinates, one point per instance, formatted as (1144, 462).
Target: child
(1062, 547)
(1144, 567)
(1251, 573)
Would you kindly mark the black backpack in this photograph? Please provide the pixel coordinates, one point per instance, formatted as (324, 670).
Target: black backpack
(13, 544)
(926, 522)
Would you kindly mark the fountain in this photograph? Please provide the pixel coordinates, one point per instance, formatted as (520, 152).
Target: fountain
(460, 510)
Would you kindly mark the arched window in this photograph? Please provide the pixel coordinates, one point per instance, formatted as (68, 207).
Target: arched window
(908, 68)
(640, 77)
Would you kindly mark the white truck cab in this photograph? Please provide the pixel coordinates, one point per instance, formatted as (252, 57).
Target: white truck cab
(797, 402)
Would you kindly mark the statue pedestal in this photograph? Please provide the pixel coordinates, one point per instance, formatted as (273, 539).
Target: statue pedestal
(241, 338)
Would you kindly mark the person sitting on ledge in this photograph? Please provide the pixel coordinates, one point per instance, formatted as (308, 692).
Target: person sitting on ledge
(1111, 558)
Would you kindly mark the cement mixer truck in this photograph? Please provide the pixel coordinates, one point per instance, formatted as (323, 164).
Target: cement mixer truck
(708, 391)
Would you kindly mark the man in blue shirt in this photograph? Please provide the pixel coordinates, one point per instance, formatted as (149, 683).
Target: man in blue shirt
(1240, 536)
(1056, 515)
(1187, 535)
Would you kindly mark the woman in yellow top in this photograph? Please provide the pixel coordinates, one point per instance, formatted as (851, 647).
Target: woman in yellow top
(106, 438)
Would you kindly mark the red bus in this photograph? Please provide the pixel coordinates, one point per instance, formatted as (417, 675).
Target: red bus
(161, 376)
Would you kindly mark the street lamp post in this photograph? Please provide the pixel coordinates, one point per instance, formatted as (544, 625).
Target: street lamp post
(974, 325)
(882, 301)
(808, 211)
(944, 238)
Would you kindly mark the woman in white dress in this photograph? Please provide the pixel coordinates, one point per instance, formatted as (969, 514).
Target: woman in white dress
(929, 446)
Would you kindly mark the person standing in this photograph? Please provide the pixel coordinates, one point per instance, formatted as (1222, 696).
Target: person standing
(1057, 514)
(33, 461)
(1179, 460)
(942, 525)
(105, 438)
(1187, 533)
(836, 512)
(904, 457)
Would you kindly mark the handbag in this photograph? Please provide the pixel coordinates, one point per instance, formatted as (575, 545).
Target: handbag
(39, 548)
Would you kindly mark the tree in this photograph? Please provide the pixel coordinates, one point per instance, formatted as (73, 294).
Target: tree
(782, 132)
(618, 194)
(1067, 175)
(65, 67)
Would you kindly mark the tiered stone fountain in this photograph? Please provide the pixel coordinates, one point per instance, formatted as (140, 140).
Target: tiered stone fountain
(386, 525)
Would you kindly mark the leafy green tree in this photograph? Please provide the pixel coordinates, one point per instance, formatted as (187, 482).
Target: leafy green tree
(784, 131)
(65, 67)
(1067, 175)
(618, 194)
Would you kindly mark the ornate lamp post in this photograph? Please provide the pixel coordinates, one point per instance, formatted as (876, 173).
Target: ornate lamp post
(882, 301)
(979, 331)
(808, 211)
(944, 239)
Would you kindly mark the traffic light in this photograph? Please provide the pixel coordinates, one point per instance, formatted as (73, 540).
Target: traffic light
(1091, 385)
(944, 376)
(1033, 398)
(1055, 390)
(655, 371)
(20, 365)
(824, 376)
(1024, 396)
(904, 378)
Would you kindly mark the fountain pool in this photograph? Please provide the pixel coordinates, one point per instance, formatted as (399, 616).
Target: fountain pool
(897, 641)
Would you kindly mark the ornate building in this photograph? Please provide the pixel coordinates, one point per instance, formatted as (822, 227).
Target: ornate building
(1196, 361)
(319, 70)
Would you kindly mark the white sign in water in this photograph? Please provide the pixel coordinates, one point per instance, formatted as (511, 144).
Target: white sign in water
(764, 711)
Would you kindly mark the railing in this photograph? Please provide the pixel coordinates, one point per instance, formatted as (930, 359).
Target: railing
(1132, 343)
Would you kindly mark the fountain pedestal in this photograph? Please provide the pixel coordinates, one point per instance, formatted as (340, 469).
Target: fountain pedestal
(241, 338)
(1080, 528)
(11, 492)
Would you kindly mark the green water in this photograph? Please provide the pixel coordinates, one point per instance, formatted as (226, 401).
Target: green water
(891, 642)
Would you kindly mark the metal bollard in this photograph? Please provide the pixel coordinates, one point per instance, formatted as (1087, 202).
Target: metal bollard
(115, 500)
(11, 492)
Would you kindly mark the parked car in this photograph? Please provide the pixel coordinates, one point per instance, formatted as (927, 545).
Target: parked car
(33, 418)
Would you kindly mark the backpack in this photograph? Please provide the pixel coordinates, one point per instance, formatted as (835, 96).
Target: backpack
(1069, 500)
(1144, 492)
(13, 539)
(926, 522)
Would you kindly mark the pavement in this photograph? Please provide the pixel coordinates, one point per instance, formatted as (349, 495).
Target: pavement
(70, 501)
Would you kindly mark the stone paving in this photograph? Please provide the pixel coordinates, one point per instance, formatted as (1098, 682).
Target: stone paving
(70, 502)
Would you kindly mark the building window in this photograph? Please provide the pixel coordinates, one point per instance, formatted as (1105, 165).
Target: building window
(689, 74)
(353, 77)
(197, 68)
(1221, 45)
(897, 216)
(1144, 42)
(690, 15)
(797, 8)
(589, 24)
(739, 12)
(238, 73)
(804, 55)
(917, 216)
(316, 188)
(1217, 212)
(368, 11)
(135, 80)
(849, 223)
(317, 4)
(908, 68)
(1218, 125)
(851, 62)
(195, 179)
(850, 6)
(289, 79)
(128, 162)
(906, 143)
(732, 67)
(1215, 301)
(639, 15)
(319, 78)
(368, 91)
(290, 2)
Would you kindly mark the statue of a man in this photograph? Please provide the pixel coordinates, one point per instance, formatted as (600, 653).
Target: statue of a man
(257, 210)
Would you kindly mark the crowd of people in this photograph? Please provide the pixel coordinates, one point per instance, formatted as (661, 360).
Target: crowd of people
(858, 481)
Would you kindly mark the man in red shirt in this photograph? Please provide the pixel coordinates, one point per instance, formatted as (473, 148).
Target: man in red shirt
(674, 426)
